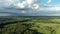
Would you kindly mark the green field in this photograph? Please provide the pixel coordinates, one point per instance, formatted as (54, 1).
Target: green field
(30, 25)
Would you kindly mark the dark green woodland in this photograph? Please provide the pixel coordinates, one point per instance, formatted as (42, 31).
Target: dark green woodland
(30, 25)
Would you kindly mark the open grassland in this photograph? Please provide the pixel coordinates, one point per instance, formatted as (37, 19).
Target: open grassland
(38, 25)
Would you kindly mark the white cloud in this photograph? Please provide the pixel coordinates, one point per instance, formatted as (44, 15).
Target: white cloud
(32, 4)
(49, 1)
(4, 14)
(7, 3)
(24, 12)
(48, 9)
(35, 6)
(55, 8)
(29, 4)
(21, 5)
(31, 1)
(53, 14)
(17, 4)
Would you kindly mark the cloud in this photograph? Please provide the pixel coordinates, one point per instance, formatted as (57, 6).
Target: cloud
(17, 4)
(21, 5)
(28, 4)
(35, 6)
(24, 12)
(4, 14)
(49, 1)
(31, 1)
(31, 4)
(27, 7)
(8, 3)
(49, 9)
(52, 14)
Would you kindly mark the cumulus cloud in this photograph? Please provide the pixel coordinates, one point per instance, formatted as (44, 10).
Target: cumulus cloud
(4, 14)
(24, 12)
(17, 4)
(35, 6)
(32, 4)
(8, 3)
(49, 1)
(21, 5)
(49, 9)
(31, 1)
(28, 4)
(53, 15)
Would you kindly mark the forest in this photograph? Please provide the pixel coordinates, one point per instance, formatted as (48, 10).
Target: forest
(30, 25)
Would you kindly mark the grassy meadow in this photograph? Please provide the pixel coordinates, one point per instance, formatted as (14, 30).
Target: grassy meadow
(30, 25)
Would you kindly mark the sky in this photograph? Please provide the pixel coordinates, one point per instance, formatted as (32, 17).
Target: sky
(29, 7)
